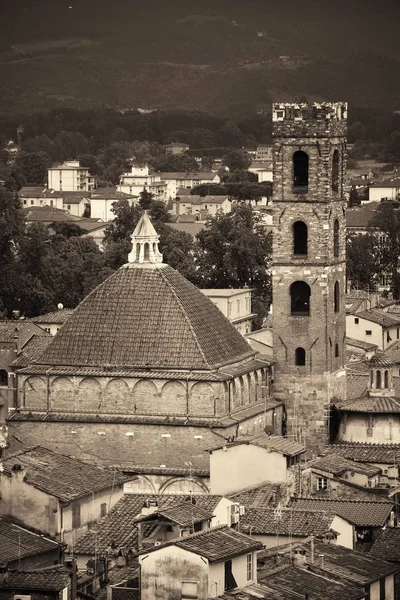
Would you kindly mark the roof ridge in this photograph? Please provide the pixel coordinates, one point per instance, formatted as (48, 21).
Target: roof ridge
(352, 500)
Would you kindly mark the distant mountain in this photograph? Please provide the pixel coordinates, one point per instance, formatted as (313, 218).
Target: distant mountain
(166, 54)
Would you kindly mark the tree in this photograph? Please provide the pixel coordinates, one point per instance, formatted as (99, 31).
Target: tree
(207, 162)
(240, 176)
(354, 199)
(209, 189)
(176, 164)
(236, 160)
(145, 199)
(387, 221)
(235, 251)
(363, 261)
(12, 228)
(34, 167)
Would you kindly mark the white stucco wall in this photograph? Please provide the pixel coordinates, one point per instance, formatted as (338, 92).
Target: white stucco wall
(345, 532)
(378, 334)
(244, 465)
(385, 429)
(377, 193)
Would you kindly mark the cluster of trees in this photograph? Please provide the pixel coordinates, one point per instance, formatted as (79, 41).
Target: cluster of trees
(43, 266)
(375, 133)
(375, 255)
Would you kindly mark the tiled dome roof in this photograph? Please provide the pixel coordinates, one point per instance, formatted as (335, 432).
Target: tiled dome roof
(147, 316)
(380, 361)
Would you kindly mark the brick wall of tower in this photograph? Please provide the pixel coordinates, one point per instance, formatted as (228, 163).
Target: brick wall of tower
(308, 390)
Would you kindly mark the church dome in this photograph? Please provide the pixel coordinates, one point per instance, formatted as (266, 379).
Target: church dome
(146, 315)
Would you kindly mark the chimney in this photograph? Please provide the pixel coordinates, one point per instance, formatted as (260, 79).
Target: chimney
(321, 559)
(70, 563)
(299, 558)
(18, 472)
(17, 341)
(149, 507)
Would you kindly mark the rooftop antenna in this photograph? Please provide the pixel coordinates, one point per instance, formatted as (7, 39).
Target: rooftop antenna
(190, 465)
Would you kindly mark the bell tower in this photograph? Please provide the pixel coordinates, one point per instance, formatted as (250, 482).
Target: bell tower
(309, 254)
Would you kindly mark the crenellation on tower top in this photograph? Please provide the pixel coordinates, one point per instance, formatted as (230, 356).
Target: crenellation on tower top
(319, 119)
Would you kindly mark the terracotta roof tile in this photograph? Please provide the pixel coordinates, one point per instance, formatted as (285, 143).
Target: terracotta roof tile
(337, 464)
(147, 318)
(295, 522)
(53, 578)
(63, 477)
(183, 514)
(387, 545)
(263, 495)
(369, 453)
(58, 317)
(32, 350)
(17, 542)
(119, 527)
(357, 512)
(215, 544)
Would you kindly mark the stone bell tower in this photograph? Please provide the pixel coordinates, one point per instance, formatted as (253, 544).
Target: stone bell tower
(309, 255)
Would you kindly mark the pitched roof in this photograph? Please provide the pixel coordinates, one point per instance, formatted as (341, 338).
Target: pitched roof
(17, 542)
(63, 477)
(183, 514)
(359, 217)
(191, 228)
(255, 591)
(38, 192)
(293, 522)
(372, 404)
(360, 344)
(387, 545)
(387, 454)
(337, 464)
(200, 176)
(394, 183)
(357, 512)
(47, 214)
(215, 544)
(53, 578)
(276, 443)
(9, 329)
(119, 525)
(32, 350)
(309, 584)
(339, 562)
(147, 317)
(108, 194)
(376, 315)
(262, 495)
(58, 317)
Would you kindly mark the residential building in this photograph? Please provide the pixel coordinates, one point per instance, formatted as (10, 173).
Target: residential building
(309, 261)
(146, 384)
(118, 532)
(49, 583)
(359, 220)
(174, 181)
(387, 547)
(201, 206)
(40, 196)
(23, 549)
(139, 179)
(374, 326)
(358, 350)
(279, 526)
(64, 495)
(358, 522)
(103, 199)
(206, 564)
(53, 321)
(353, 571)
(324, 472)
(263, 169)
(76, 202)
(176, 148)
(244, 462)
(385, 190)
(384, 456)
(265, 152)
(69, 176)
(235, 305)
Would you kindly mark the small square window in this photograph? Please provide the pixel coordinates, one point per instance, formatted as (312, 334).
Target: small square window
(368, 332)
(322, 483)
(189, 590)
(356, 321)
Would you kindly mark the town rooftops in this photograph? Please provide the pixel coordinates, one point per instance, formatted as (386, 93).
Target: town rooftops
(359, 217)
(394, 183)
(119, 527)
(385, 454)
(108, 194)
(371, 404)
(54, 578)
(387, 545)
(200, 176)
(63, 477)
(9, 330)
(216, 544)
(263, 495)
(18, 543)
(38, 192)
(292, 522)
(56, 317)
(271, 442)
(375, 315)
(360, 344)
(358, 512)
(337, 465)
(47, 214)
(31, 350)
(338, 562)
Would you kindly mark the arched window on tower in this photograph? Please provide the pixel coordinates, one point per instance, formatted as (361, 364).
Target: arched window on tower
(336, 239)
(335, 171)
(378, 380)
(300, 238)
(3, 378)
(300, 357)
(146, 251)
(336, 297)
(300, 293)
(300, 170)
(386, 379)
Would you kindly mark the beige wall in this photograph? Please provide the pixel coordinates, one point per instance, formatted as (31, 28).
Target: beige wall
(163, 571)
(56, 202)
(378, 429)
(377, 193)
(242, 466)
(378, 334)
(216, 574)
(389, 589)
(345, 531)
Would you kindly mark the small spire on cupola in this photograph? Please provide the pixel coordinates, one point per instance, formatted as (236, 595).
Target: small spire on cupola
(145, 241)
